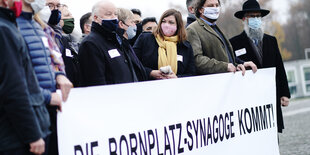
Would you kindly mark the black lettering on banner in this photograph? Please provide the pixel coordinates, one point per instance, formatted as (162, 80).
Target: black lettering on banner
(272, 116)
(143, 146)
(92, 146)
(256, 119)
(268, 108)
(157, 143)
(196, 131)
(227, 126)
(171, 128)
(210, 130)
(150, 134)
(263, 117)
(215, 131)
(133, 143)
(167, 142)
(190, 145)
(231, 125)
(180, 149)
(78, 148)
(241, 125)
(114, 151)
(203, 132)
(221, 126)
(248, 126)
(123, 138)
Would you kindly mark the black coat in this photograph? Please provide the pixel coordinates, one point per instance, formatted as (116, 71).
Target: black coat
(146, 48)
(271, 58)
(23, 115)
(105, 59)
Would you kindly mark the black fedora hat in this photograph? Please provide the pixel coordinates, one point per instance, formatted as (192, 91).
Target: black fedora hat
(250, 6)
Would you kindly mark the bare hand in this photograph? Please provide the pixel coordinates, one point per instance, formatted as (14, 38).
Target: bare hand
(157, 74)
(64, 84)
(37, 147)
(285, 101)
(170, 76)
(241, 68)
(231, 68)
(56, 101)
(250, 64)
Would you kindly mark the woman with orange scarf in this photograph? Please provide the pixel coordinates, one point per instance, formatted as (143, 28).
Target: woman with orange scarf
(165, 53)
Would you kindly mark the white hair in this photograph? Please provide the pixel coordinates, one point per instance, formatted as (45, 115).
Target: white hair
(96, 8)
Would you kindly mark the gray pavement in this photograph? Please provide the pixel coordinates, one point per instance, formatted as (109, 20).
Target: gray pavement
(295, 140)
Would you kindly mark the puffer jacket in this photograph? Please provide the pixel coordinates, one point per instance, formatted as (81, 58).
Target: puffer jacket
(39, 52)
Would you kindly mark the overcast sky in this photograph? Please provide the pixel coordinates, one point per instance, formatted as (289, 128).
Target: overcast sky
(147, 7)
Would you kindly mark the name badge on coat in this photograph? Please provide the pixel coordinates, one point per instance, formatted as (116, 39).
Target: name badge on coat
(180, 58)
(45, 42)
(240, 52)
(114, 53)
(68, 53)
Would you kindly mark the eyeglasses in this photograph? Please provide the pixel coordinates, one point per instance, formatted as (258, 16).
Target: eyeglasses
(53, 6)
(253, 16)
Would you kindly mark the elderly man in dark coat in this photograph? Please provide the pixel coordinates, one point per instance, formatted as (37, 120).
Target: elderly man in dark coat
(253, 45)
(104, 56)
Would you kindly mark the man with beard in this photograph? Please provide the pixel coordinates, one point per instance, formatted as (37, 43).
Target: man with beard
(253, 45)
(212, 51)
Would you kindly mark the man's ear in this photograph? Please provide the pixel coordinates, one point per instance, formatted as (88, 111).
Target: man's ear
(201, 11)
(5, 3)
(121, 24)
(191, 9)
(243, 19)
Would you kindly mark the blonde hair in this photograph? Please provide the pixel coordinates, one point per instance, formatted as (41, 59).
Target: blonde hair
(124, 14)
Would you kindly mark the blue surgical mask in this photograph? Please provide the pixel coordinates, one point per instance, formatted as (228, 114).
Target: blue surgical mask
(255, 23)
(110, 24)
(131, 31)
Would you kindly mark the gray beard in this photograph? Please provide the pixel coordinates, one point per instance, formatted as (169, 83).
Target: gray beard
(253, 34)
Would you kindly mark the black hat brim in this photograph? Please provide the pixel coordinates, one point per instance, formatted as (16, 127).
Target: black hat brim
(240, 14)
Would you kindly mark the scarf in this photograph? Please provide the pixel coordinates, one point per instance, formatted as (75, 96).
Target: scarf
(167, 52)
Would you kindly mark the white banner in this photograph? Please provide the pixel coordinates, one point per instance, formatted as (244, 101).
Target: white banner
(216, 114)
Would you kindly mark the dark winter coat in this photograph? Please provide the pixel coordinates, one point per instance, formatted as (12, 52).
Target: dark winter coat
(23, 115)
(146, 49)
(271, 58)
(103, 58)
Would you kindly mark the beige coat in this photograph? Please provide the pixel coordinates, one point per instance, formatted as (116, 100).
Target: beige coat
(209, 50)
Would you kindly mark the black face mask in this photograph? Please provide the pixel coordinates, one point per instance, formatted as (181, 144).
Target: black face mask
(139, 29)
(55, 17)
(111, 24)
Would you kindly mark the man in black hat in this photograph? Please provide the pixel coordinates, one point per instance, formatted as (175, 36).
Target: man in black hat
(253, 45)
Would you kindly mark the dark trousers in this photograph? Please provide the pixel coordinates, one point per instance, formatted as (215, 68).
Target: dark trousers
(26, 150)
(53, 141)
(18, 151)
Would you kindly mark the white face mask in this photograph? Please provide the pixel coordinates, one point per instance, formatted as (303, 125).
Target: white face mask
(45, 14)
(37, 5)
(212, 12)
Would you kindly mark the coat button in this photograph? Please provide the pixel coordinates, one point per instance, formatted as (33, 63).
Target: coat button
(126, 61)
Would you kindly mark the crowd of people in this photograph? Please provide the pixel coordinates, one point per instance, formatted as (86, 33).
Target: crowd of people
(40, 54)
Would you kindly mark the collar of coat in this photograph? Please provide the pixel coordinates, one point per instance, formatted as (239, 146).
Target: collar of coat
(8, 15)
(109, 35)
(210, 30)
